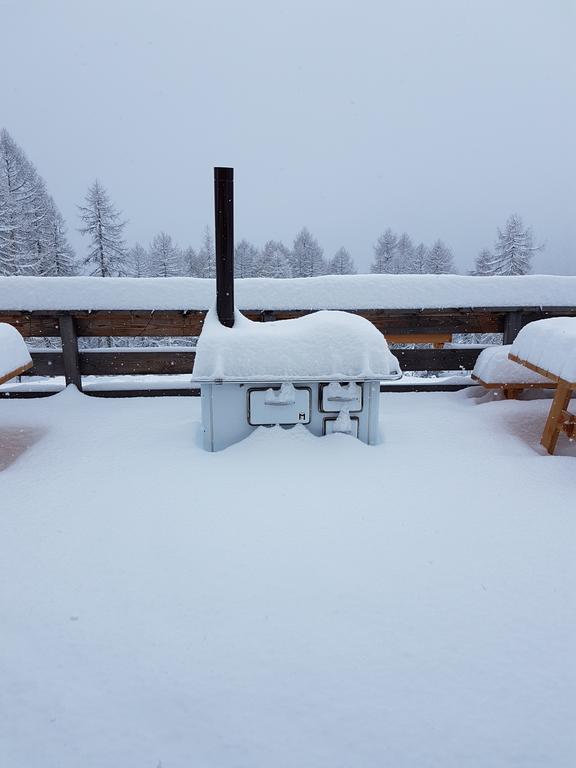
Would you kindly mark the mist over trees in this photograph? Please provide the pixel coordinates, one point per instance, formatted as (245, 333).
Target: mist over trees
(34, 241)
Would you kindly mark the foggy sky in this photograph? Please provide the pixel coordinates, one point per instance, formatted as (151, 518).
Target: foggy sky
(438, 117)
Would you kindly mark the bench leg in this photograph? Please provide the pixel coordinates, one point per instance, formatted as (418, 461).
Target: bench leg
(555, 417)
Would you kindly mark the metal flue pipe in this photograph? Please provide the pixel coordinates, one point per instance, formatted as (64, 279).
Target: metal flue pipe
(224, 228)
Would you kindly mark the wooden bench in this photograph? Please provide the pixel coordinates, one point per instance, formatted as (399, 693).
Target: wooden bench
(559, 419)
(436, 339)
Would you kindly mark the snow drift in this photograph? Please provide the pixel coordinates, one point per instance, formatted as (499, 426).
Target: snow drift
(323, 345)
(327, 292)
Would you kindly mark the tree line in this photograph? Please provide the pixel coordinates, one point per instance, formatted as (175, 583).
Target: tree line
(34, 241)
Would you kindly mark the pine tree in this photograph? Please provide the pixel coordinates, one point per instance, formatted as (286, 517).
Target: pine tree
(419, 261)
(190, 266)
(58, 257)
(207, 256)
(245, 259)
(341, 263)
(440, 259)
(405, 254)
(514, 248)
(103, 225)
(484, 263)
(138, 262)
(274, 261)
(24, 212)
(307, 257)
(385, 252)
(165, 260)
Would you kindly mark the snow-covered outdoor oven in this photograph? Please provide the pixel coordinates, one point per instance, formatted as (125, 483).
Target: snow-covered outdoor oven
(322, 370)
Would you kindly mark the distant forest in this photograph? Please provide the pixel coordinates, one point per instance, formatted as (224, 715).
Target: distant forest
(33, 241)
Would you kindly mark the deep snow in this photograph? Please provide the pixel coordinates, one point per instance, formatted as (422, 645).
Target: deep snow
(13, 351)
(293, 601)
(550, 345)
(323, 345)
(493, 366)
(327, 292)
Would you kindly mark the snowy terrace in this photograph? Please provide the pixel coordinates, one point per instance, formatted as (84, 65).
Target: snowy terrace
(291, 601)
(437, 313)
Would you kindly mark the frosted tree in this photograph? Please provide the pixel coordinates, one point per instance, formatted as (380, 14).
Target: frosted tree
(405, 253)
(103, 224)
(419, 260)
(440, 259)
(165, 258)
(385, 253)
(274, 261)
(484, 263)
(514, 248)
(138, 262)
(25, 209)
(207, 256)
(190, 265)
(58, 257)
(245, 259)
(307, 257)
(341, 263)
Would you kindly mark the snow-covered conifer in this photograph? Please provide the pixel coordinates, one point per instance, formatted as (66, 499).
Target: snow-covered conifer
(385, 251)
(419, 260)
(440, 259)
(165, 260)
(24, 211)
(138, 261)
(245, 259)
(514, 248)
(207, 256)
(58, 257)
(341, 263)
(307, 257)
(103, 225)
(190, 266)
(405, 254)
(484, 263)
(274, 261)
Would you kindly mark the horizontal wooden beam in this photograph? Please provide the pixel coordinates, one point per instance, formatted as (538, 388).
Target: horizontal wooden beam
(180, 323)
(121, 362)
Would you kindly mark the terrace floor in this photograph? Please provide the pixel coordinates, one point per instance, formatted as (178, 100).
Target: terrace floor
(293, 602)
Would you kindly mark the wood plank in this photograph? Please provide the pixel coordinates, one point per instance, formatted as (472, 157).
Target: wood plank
(118, 361)
(15, 372)
(514, 385)
(541, 371)
(554, 421)
(189, 323)
(420, 338)
(70, 351)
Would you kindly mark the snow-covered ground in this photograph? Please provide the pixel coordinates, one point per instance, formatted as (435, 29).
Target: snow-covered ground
(293, 601)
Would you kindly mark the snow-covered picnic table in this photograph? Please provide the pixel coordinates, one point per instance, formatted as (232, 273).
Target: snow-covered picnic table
(14, 355)
(495, 370)
(548, 348)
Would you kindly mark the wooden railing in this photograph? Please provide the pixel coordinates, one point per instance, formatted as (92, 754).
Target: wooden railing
(397, 325)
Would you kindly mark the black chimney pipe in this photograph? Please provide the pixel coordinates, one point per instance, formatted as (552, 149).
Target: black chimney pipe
(224, 227)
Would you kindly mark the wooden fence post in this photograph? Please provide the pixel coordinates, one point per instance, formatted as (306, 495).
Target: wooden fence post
(70, 353)
(512, 326)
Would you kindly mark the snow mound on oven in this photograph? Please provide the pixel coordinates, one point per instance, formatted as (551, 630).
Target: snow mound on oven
(323, 345)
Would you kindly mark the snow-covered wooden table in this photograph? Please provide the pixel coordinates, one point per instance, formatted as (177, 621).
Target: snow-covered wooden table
(548, 347)
(14, 355)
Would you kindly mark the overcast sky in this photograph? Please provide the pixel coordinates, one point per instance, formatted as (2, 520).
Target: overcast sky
(437, 117)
